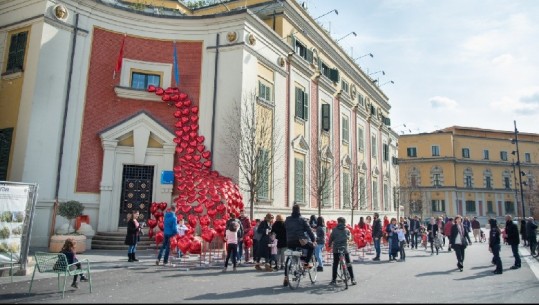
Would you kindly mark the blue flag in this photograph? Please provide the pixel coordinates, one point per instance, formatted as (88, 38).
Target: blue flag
(176, 72)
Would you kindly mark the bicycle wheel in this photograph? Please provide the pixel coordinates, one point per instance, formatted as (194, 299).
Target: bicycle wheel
(294, 274)
(313, 272)
(345, 276)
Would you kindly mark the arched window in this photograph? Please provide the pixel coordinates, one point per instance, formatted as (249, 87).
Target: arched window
(487, 179)
(414, 177)
(437, 176)
(506, 178)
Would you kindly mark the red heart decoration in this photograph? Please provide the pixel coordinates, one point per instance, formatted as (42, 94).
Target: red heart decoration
(185, 137)
(150, 233)
(193, 143)
(200, 139)
(161, 225)
(207, 163)
(184, 144)
(194, 109)
(209, 204)
(188, 157)
(159, 91)
(186, 128)
(168, 90)
(183, 96)
(196, 247)
(194, 127)
(174, 97)
(194, 118)
(200, 148)
(190, 150)
(197, 157)
(163, 205)
(178, 104)
(159, 238)
(178, 124)
(179, 149)
(165, 98)
(211, 213)
(206, 154)
(187, 103)
(152, 223)
(185, 111)
(186, 208)
(151, 88)
(184, 244)
(192, 219)
(185, 119)
(192, 134)
(179, 132)
(221, 208)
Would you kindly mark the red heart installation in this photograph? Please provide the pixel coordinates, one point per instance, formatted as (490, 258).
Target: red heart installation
(168, 90)
(211, 213)
(161, 225)
(186, 208)
(159, 91)
(187, 103)
(194, 118)
(150, 233)
(183, 96)
(194, 109)
(186, 129)
(184, 244)
(185, 111)
(192, 219)
(205, 220)
(159, 238)
(151, 88)
(165, 98)
(174, 97)
(152, 223)
(206, 154)
(190, 150)
(207, 163)
(185, 119)
(200, 139)
(153, 208)
(193, 143)
(184, 144)
(192, 134)
(207, 235)
(198, 209)
(194, 127)
(179, 149)
(163, 205)
(178, 104)
(200, 148)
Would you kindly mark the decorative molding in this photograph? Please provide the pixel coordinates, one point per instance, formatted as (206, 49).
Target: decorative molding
(60, 12)
(346, 162)
(231, 36)
(299, 144)
(251, 39)
(326, 154)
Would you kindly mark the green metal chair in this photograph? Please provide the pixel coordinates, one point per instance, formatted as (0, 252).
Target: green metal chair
(57, 263)
(4, 265)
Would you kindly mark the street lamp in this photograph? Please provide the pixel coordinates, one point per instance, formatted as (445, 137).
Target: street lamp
(383, 72)
(520, 172)
(354, 33)
(387, 83)
(333, 10)
(368, 54)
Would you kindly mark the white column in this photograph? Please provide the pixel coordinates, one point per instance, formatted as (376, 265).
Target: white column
(104, 223)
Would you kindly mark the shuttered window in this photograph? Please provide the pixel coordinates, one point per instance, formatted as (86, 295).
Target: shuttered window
(326, 117)
(302, 104)
(299, 180)
(17, 49)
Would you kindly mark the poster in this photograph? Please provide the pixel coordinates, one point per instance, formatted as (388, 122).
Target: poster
(13, 217)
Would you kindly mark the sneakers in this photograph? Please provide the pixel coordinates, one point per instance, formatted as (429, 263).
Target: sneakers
(320, 269)
(376, 259)
(74, 285)
(285, 282)
(354, 282)
(514, 267)
(497, 272)
(83, 279)
(157, 262)
(333, 283)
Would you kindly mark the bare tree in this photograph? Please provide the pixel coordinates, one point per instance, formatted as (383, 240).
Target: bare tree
(323, 176)
(253, 138)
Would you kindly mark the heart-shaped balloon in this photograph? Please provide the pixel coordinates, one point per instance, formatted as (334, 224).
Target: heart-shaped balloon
(200, 148)
(178, 104)
(163, 205)
(174, 97)
(185, 111)
(207, 163)
(196, 247)
(211, 213)
(194, 109)
(206, 154)
(183, 96)
(197, 157)
(187, 103)
(159, 91)
(194, 118)
(168, 90)
(185, 119)
(151, 88)
(200, 139)
(151, 223)
(159, 238)
(190, 150)
(165, 98)
(186, 208)
(198, 209)
(179, 149)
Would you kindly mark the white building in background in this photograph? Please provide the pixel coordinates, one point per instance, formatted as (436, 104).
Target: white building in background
(68, 125)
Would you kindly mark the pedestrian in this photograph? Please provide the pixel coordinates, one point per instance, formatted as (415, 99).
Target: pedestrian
(231, 238)
(532, 235)
(511, 231)
(401, 235)
(476, 227)
(432, 230)
(338, 240)
(377, 234)
(447, 232)
(467, 225)
(264, 228)
(170, 229)
(182, 229)
(494, 245)
(458, 241)
(393, 239)
(312, 221)
(320, 243)
(133, 235)
(273, 251)
(68, 249)
(368, 220)
(523, 233)
(406, 231)
(246, 224)
(280, 233)
(414, 230)
(256, 239)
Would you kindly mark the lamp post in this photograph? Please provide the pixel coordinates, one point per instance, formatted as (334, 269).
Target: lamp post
(354, 33)
(368, 54)
(333, 10)
(515, 141)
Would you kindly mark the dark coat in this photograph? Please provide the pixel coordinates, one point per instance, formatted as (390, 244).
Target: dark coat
(132, 236)
(455, 232)
(433, 230)
(377, 228)
(263, 249)
(280, 233)
(494, 238)
(530, 230)
(512, 233)
(297, 228)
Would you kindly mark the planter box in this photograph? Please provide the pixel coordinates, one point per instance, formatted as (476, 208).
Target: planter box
(57, 242)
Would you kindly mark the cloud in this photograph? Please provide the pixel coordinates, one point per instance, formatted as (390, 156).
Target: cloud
(503, 60)
(442, 102)
(525, 104)
(531, 99)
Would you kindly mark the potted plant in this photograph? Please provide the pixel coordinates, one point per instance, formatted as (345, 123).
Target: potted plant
(70, 210)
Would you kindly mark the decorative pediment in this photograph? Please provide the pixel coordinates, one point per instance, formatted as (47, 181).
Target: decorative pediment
(346, 161)
(325, 153)
(375, 171)
(300, 144)
(363, 166)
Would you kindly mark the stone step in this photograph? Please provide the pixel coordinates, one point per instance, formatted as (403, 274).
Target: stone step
(115, 241)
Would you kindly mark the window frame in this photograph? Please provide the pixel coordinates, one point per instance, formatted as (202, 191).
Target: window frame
(325, 116)
(435, 149)
(486, 155)
(345, 129)
(302, 104)
(411, 152)
(527, 158)
(16, 52)
(299, 180)
(267, 86)
(503, 155)
(466, 153)
(468, 204)
(146, 75)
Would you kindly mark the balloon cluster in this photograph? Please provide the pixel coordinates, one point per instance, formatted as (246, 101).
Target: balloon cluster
(205, 197)
(361, 236)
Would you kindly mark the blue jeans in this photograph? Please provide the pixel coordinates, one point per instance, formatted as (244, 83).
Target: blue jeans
(318, 254)
(377, 247)
(132, 248)
(165, 246)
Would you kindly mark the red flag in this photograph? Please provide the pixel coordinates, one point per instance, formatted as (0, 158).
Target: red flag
(119, 60)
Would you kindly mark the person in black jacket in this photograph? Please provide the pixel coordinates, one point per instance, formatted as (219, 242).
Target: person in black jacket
(531, 227)
(377, 234)
(414, 230)
(511, 231)
(264, 228)
(69, 250)
(458, 241)
(280, 232)
(523, 234)
(133, 235)
(494, 245)
(298, 228)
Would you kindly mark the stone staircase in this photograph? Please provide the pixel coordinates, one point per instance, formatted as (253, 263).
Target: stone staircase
(115, 241)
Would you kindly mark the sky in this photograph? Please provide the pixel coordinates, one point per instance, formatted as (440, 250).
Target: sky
(471, 63)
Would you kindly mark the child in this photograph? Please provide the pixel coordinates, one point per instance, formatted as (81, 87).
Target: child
(231, 238)
(182, 228)
(273, 251)
(338, 239)
(402, 241)
(69, 250)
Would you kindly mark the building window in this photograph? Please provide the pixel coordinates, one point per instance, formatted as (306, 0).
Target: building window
(470, 206)
(326, 117)
(299, 180)
(375, 195)
(386, 197)
(345, 86)
(503, 155)
(466, 153)
(485, 154)
(17, 50)
(141, 81)
(488, 182)
(345, 128)
(438, 205)
(373, 146)
(468, 181)
(361, 99)
(5, 147)
(507, 182)
(527, 157)
(435, 150)
(325, 179)
(509, 207)
(302, 104)
(346, 190)
(360, 139)
(437, 179)
(362, 193)
(265, 91)
(411, 152)
(490, 207)
(325, 70)
(385, 151)
(263, 175)
(303, 52)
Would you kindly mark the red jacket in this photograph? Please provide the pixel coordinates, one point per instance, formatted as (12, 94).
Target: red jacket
(447, 228)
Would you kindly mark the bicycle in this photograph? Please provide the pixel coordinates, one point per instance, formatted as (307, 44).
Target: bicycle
(296, 270)
(342, 270)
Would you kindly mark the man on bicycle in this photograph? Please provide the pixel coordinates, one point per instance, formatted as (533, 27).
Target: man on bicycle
(339, 240)
(297, 228)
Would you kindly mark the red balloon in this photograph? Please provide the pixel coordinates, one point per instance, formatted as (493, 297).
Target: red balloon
(186, 208)
(159, 238)
(163, 205)
(152, 223)
(194, 118)
(198, 209)
(194, 109)
(150, 233)
(200, 148)
(187, 103)
(161, 225)
(211, 212)
(196, 247)
(151, 88)
(165, 98)
(206, 154)
(200, 139)
(207, 163)
(183, 96)
(159, 91)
